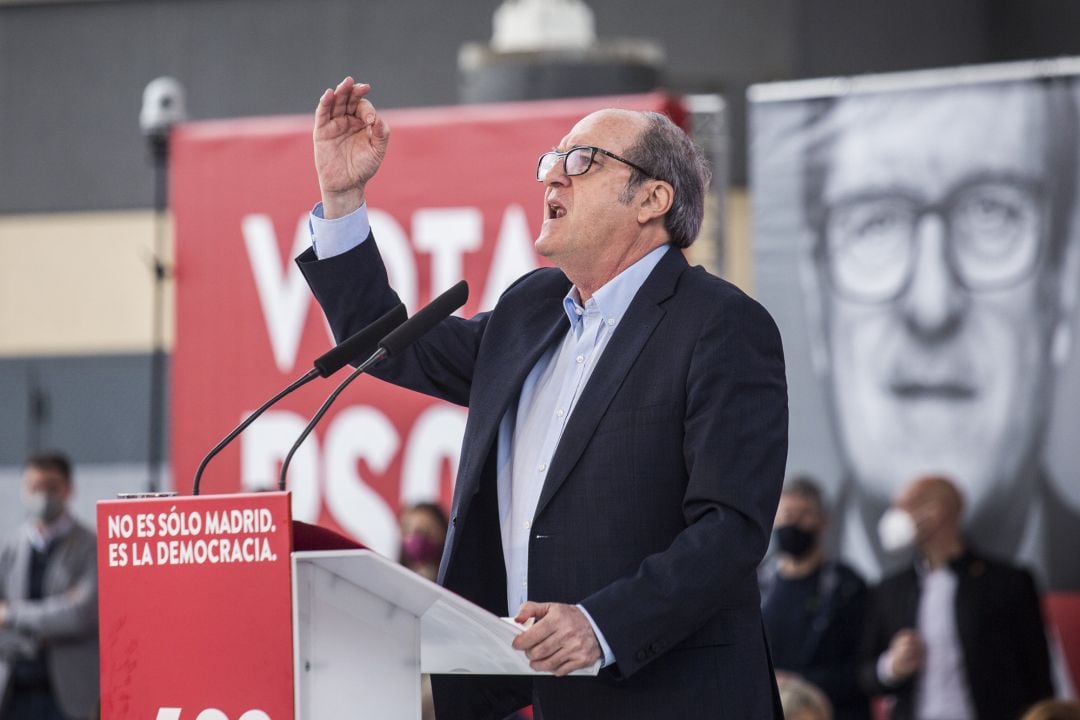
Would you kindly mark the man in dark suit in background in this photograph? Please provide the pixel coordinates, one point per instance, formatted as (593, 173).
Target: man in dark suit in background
(814, 607)
(627, 429)
(958, 635)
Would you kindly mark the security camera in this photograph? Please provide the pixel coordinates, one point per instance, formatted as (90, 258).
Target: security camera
(162, 106)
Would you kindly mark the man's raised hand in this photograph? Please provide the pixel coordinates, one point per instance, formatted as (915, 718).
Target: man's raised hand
(350, 143)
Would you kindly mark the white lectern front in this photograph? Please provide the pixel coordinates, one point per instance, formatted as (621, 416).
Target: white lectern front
(365, 628)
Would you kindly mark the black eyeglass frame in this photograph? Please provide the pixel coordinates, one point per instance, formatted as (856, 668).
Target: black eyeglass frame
(588, 166)
(942, 209)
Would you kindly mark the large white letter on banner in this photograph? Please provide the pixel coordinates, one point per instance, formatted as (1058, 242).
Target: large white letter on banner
(447, 233)
(283, 294)
(361, 432)
(262, 450)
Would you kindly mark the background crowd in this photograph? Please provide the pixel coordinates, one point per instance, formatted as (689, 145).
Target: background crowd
(956, 634)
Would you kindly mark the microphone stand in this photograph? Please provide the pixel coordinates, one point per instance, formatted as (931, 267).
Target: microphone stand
(300, 382)
(377, 356)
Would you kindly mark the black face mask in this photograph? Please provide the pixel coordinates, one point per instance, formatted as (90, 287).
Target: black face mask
(795, 541)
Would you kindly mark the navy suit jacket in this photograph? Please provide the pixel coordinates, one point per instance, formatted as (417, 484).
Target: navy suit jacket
(659, 499)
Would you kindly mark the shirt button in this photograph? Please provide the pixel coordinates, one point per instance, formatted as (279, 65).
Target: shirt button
(580, 359)
(560, 412)
(542, 467)
(611, 321)
(528, 524)
(525, 584)
(578, 311)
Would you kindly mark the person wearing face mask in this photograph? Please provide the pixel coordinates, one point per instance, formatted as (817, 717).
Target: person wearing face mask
(958, 635)
(423, 533)
(48, 604)
(813, 606)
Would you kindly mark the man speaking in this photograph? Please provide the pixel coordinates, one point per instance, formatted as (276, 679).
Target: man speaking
(627, 429)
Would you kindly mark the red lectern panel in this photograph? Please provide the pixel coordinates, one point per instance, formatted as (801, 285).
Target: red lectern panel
(195, 608)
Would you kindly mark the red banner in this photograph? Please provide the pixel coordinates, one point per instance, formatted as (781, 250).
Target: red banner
(456, 198)
(195, 608)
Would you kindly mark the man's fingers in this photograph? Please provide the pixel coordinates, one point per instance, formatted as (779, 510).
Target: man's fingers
(355, 96)
(342, 93)
(380, 130)
(561, 642)
(530, 609)
(341, 101)
(365, 111)
(561, 663)
(322, 109)
(544, 649)
(533, 636)
(570, 666)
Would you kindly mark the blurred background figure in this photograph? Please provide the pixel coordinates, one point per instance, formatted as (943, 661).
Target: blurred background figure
(957, 635)
(814, 607)
(1053, 710)
(423, 532)
(802, 700)
(48, 603)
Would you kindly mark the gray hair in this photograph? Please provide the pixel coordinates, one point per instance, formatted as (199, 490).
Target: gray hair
(670, 155)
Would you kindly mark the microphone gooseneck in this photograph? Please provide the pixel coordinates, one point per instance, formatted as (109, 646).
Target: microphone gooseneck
(357, 345)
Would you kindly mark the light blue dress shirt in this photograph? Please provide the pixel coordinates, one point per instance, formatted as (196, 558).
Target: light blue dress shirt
(531, 429)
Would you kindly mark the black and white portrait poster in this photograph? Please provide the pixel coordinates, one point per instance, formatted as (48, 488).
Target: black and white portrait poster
(917, 238)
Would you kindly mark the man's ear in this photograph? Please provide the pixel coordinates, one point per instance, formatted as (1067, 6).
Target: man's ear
(1068, 287)
(656, 202)
(813, 303)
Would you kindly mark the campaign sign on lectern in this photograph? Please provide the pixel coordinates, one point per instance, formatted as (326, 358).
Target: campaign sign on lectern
(196, 608)
(222, 608)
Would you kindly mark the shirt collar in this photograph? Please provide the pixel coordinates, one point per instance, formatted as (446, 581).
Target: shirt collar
(612, 300)
(41, 537)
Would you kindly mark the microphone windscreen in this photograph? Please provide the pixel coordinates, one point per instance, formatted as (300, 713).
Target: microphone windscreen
(425, 319)
(361, 344)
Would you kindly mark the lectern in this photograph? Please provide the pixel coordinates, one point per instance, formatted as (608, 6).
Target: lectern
(221, 608)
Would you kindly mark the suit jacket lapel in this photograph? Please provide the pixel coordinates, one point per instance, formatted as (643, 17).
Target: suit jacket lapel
(626, 344)
(512, 358)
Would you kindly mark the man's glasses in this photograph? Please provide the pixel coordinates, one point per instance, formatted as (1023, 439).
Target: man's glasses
(995, 231)
(577, 161)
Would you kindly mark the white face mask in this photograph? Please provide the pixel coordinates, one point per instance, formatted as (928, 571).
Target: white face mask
(896, 530)
(43, 506)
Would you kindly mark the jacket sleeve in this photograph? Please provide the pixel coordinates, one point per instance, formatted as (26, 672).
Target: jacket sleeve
(1031, 648)
(71, 613)
(354, 290)
(734, 454)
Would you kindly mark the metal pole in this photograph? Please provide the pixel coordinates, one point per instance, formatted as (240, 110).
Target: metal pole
(155, 426)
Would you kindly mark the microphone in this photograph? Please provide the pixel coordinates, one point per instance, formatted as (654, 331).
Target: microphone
(397, 340)
(361, 343)
(425, 319)
(327, 364)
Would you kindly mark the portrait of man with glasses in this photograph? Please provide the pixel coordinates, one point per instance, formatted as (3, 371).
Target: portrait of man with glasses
(940, 279)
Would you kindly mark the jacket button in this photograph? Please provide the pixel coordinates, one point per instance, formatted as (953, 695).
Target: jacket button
(641, 655)
(657, 647)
